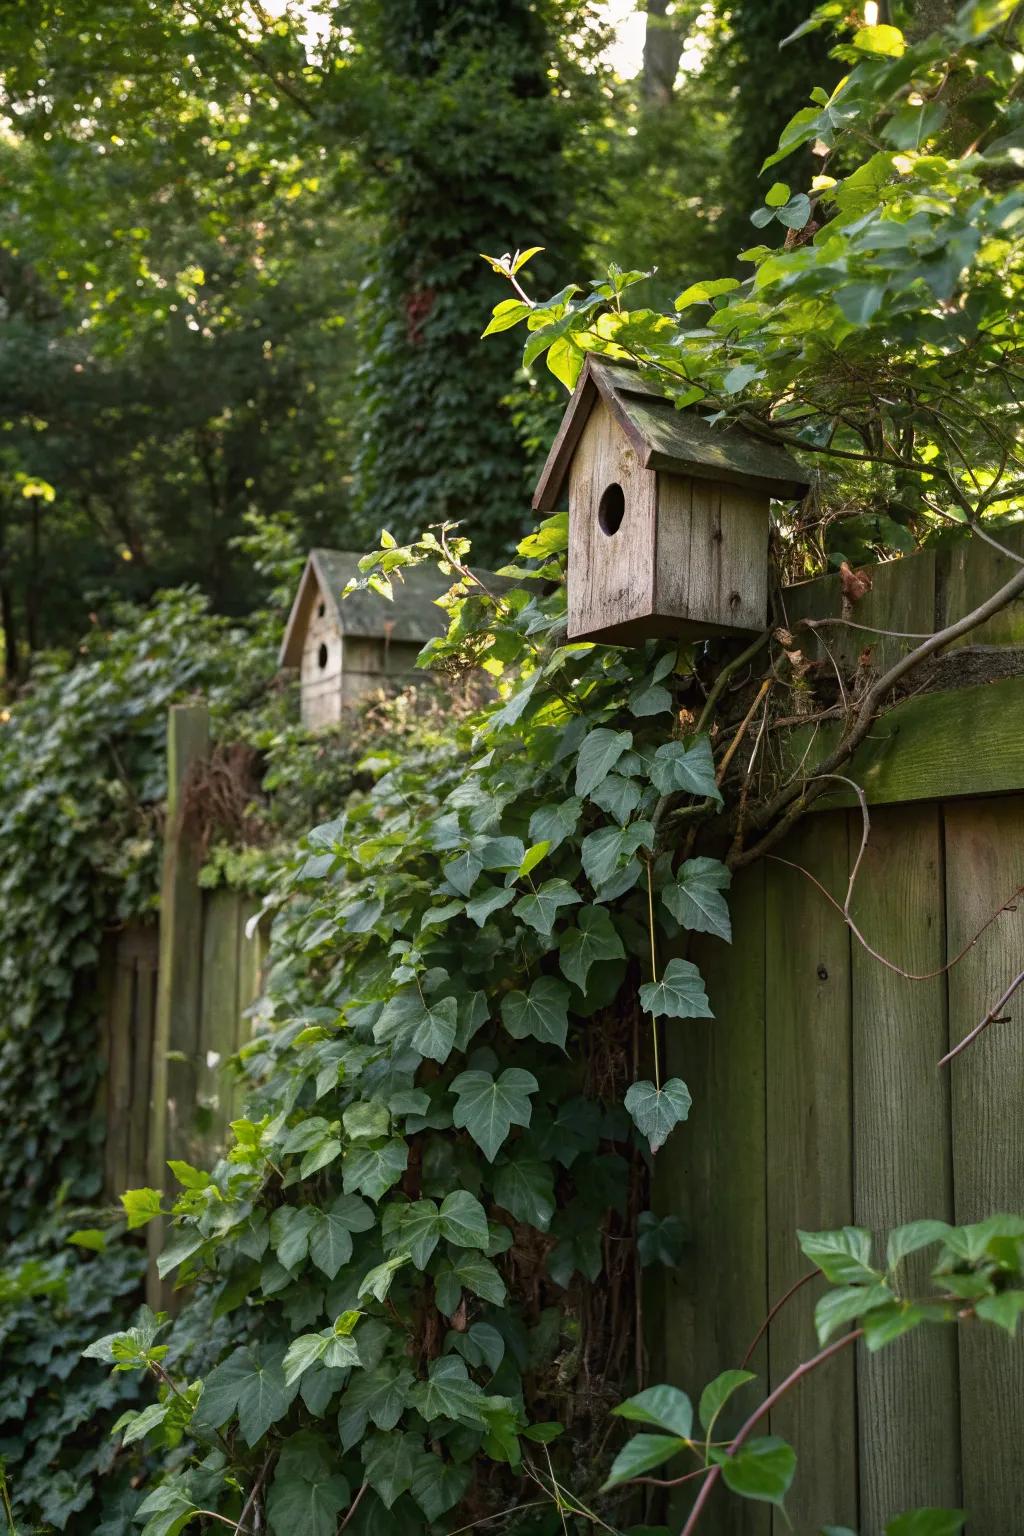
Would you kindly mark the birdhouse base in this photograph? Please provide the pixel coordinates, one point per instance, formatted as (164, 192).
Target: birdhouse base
(654, 626)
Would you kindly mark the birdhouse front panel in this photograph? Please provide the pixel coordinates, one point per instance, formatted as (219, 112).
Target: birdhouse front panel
(370, 663)
(321, 665)
(711, 561)
(612, 509)
(669, 512)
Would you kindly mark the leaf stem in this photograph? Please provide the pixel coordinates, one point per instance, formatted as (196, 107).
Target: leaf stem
(654, 973)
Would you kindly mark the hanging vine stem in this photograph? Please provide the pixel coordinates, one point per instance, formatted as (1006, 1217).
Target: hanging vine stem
(654, 972)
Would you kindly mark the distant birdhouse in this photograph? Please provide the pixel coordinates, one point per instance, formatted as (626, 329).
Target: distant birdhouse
(344, 649)
(668, 515)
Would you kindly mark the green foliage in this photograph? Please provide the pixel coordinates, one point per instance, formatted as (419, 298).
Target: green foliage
(82, 765)
(882, 338)
(449, 953)
(56, 1407)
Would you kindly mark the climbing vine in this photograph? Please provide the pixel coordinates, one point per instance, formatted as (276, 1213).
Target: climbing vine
(424, 1237)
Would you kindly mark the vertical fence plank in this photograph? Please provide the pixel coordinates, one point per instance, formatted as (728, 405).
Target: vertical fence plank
(175, 1040)
(143, 1025)
(808, 1076)
(718, 1297)
(909, 1424)
(970, 572)
(118, 997)
(219, 1010)
(251, 956)
(984, 862)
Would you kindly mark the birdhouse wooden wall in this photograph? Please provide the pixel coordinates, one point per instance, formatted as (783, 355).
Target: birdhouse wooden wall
(668, 514)
(321, 667)
(651, 552)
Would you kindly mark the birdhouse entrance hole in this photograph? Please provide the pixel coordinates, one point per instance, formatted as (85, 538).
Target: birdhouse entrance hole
(321, 657)
(611, 509)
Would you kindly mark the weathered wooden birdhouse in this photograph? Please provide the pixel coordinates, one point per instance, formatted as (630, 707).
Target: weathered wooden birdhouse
(668, 515)
(344, 649)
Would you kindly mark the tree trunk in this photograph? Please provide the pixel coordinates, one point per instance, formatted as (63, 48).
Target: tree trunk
(663, 44)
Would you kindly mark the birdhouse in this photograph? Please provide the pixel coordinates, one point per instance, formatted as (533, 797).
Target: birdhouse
(668, 515)
(345, 649)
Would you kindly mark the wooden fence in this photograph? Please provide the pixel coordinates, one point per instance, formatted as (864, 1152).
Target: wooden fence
(174, 1000)
(817, 1100)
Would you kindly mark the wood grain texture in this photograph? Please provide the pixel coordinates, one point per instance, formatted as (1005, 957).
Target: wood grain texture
(711, 562)
(970, 572)
(611, 584)
(176, 1033)
(984, 862)
(902, 597)
(809, 1172)
(969, 741)
(218, 1029)
(907, 1394)
(119, 1017)
(718, 1297)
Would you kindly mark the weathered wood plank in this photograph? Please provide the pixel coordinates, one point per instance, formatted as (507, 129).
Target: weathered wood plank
(969, 741)
(908, 1417)
(717, 1299)
(143, 1025)
(809, 1173)
(969, 573)
(984, 863)
(173, 1086)
(902, 597)
(119, 1008)
(219, 1011)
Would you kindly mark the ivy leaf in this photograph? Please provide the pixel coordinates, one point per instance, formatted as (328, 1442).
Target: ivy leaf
(1005, 1310)
(378, 1397)
(448, 1393)
(290, 1227)
(696, 901)
(604, 850)
(307, 1499)
(761, 1469)
(390, 1462)
(437, 1485)
(415, 1229)
(462, 872)
(542, 907)
(167, 1511)
(659, 1240)
(540, 1013)
(554, 823)
(618, 796)
(463, 1221)
(330, 1239)
(481, 907)
(676, 767)
(657, 1111)
(650, 700)
(489, 1107)
(911, 1238)
(434, 1035)
(526, 1189)
(371, 1171)
(250, 1382)
(678, 995)
(598, 754)
(846, 1303)
(640, 1454)
(378, 1281)
(141, 1205)
(472, 1272)
(594, 938)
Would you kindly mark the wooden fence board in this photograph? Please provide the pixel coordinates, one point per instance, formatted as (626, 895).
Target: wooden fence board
(176, 1034)
(970, 573)
(902, 597)
(908, 1418)
(218, 1019)
(719, 1305)
(985, 861)
(810, 1185)
(966, 742)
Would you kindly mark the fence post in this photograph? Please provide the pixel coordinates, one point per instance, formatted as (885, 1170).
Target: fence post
(176, 1035)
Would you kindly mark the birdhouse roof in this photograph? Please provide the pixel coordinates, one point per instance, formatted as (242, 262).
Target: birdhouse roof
(412, 615)
(665, 438)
